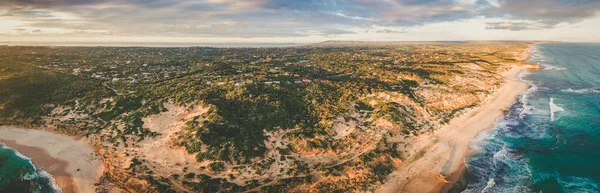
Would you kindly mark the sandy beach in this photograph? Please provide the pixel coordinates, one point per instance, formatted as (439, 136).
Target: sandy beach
(445, 150)
(72, 163)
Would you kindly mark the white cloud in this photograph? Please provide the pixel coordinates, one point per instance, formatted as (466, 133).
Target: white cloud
(299, 21)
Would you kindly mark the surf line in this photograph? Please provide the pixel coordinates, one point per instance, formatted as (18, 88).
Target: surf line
(553, 109)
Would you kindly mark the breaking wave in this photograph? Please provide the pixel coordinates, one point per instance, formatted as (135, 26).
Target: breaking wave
(551, 67)
(531, 148)
(582, 91)
(553, 109)
(18, 174)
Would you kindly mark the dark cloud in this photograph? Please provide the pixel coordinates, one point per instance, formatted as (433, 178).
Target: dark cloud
(513, 26)
(546, 12)
(388, 31)
(20, 30)
(334, 31)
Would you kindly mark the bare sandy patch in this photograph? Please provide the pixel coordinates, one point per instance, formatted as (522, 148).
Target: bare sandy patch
(159, 150)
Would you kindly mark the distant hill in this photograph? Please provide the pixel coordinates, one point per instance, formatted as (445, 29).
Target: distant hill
(342, 43)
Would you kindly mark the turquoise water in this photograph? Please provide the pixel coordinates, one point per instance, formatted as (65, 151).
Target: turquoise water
(550, 141)
(19, 175)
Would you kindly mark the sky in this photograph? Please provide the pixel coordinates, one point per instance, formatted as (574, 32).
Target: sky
(297, 21)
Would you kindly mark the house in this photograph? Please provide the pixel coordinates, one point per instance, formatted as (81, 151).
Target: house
(298, 81)
(77, 70)
(305, 79)
(239, 82)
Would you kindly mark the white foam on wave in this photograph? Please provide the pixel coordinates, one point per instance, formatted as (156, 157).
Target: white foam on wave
(551, 67)
(582, 91)
(553, 109)
(524, 97)
(539, 131)
(538, 56)
(23, 157)
(500, 156)
(39, 173)
(51, 181)
(578, 184)
(17, 153)
(489, 185)
(480, 140)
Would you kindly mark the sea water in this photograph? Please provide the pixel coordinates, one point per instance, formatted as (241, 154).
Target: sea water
(550, 140)
(19, 175)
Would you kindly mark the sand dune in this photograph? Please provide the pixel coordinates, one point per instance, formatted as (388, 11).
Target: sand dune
(446, 149)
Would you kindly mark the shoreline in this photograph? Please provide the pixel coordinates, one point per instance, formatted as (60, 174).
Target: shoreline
(456, 176)
(72, 163)
(446, 149)
(42, 159)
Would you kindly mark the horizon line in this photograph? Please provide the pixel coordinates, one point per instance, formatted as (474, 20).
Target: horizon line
(239, 44)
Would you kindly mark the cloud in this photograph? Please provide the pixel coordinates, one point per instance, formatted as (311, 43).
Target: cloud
(388, 31)
(283, 18)
(70, 3)
(513, 26)
(19, 30)
(546, 13)
(238, 3)
(45, 3)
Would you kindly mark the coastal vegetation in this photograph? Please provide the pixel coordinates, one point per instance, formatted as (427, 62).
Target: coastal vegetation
(319, 118)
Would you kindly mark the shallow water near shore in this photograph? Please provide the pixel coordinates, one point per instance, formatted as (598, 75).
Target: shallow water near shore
(18, 174)
(550, 140)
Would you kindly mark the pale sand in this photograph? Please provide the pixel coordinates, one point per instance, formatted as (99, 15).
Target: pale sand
(446, 149)
(159, 151)
(72, 163)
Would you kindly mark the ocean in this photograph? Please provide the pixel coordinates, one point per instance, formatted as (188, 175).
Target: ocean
(19, 175)
(550, 139)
